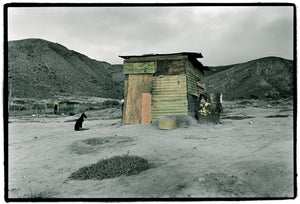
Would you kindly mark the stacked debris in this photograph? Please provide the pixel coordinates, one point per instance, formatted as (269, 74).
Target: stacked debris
(210, 107)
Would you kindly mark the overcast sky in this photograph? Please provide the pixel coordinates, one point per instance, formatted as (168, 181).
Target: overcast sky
(224, 35)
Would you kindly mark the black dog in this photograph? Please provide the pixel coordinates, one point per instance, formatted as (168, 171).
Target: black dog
(79, 121)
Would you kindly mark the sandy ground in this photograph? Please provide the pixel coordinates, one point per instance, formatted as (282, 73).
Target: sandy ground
(246, 155)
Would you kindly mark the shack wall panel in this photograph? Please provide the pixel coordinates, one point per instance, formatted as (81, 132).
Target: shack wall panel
(169, 67)
(192, 86)
(139, 67)
(193, 105)
(137, 85)
(125, 96)
(196, 72)
(169, 96)
(125, 85)
(195, 80)
(146, 108)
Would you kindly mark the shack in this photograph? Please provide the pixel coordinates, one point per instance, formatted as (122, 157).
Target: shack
(158, 85)
(68, 107)
(59, 107)
(51, 107)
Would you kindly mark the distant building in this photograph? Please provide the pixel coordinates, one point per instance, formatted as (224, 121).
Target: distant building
(158, 85)
(68, 107)
(65, 107)
(50, 106)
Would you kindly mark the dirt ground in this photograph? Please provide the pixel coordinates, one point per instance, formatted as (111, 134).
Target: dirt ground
(248, 154)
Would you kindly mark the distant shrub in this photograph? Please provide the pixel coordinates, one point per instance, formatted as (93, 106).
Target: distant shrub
(19, 101)
(38, 106)
(90, 108)
(237, 117)
(246, 102)
(17, 107)
(41, 194)
(277, 116)
(111, 103)
(95, 141)
(111, 168)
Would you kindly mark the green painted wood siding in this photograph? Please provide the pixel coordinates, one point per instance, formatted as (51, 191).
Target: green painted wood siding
(169, 96)
(194, 80)
(139, 67)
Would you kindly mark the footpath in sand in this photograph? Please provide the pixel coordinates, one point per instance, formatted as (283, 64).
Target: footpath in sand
(249, 154)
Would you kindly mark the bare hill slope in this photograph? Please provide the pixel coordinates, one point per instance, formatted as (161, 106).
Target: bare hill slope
(42, 69)
(269, 77)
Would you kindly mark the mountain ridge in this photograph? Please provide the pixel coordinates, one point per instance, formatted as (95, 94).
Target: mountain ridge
(267, 77)
(46, 69)
(42, 69)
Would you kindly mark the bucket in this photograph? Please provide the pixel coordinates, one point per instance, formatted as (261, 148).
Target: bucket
(167, 124)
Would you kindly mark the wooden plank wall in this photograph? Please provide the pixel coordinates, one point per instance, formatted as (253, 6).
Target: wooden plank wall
(195, 88)
(136, 86)
(139, 67)
(125, 96)
(193, 105)
(195, 80)
(170, 67)
(169, 96)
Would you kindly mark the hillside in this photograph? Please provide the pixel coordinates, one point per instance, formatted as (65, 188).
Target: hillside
(215, 69)
(269, 77)
(42, 69)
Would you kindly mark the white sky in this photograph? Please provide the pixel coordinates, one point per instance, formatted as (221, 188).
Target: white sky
(224, 35)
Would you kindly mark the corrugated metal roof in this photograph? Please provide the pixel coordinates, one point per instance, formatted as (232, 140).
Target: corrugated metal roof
(189, 54)
(192, 56)
(70, 102)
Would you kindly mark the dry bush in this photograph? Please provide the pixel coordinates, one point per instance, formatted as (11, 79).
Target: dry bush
(111, 168)
(237, 117)
(277, 116)
(48, 193)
